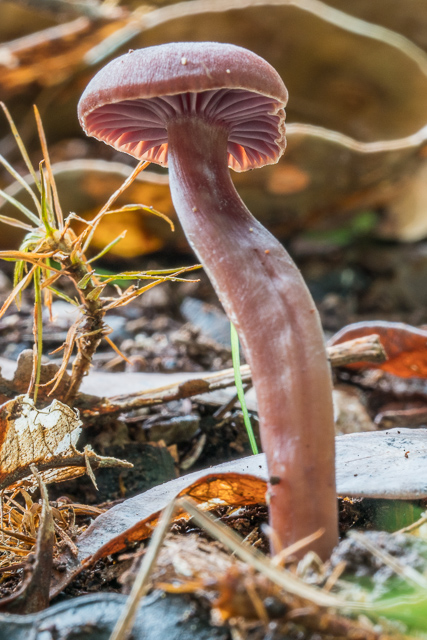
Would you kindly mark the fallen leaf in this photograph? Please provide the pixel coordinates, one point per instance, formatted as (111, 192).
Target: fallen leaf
(405, 346)
(409, 19)
(159, 616)
(367, 464)
(45, 438)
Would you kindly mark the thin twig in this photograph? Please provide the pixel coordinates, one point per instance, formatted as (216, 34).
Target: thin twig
(368, 349)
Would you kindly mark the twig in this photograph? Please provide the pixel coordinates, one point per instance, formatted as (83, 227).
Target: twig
(368, 349)
(414, 525)
(225, 408)
(394, 418)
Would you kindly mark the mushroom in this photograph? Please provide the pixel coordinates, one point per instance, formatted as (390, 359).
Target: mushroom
(198, 108)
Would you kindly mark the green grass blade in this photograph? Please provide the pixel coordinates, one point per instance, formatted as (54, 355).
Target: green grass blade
(235, 354)
(29, 214)
(46, 211)
(143, 207)
(18, 274)
(95, 293)
(82, 284)
(166, 274)
(107, 248)
(50, 177)
(64, 296)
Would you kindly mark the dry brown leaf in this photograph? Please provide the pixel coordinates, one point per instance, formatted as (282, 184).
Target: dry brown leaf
(43, 437)
(405, 346)
(368, 465)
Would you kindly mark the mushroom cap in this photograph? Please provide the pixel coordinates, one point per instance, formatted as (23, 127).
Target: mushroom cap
(129, 103)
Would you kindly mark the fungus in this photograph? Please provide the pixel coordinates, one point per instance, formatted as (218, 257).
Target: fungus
(225, 108)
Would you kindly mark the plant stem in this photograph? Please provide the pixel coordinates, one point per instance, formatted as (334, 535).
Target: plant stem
(92, 330)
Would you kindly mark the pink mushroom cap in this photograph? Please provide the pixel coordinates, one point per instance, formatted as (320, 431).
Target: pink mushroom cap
(129, 103)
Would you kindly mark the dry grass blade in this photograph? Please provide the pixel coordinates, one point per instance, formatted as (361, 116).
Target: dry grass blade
(282, 556)
(68, 347)
(140, 586)
(261, 563)
(22, 182)
(19, 536)
(15, 291)
(132, 295)
(142, 207)
(91, 230)
(21, 208)
(34, 258)
(12, 222)
(116, 349)
(21, 145)
(409, 574)
(415, 525)
(49, 281)
(58, 209)
(140, 167)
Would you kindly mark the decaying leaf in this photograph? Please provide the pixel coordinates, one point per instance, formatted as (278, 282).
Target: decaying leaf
(370, 464)
(43, 437)
(405, 346)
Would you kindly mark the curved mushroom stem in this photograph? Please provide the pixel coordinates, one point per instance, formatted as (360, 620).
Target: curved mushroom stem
(266, 298)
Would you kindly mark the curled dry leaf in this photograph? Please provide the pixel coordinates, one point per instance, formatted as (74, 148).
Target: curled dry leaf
(404, 345)
(370, 465)
(44, 437)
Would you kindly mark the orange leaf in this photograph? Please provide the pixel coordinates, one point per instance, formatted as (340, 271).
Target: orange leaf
(405, 346)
